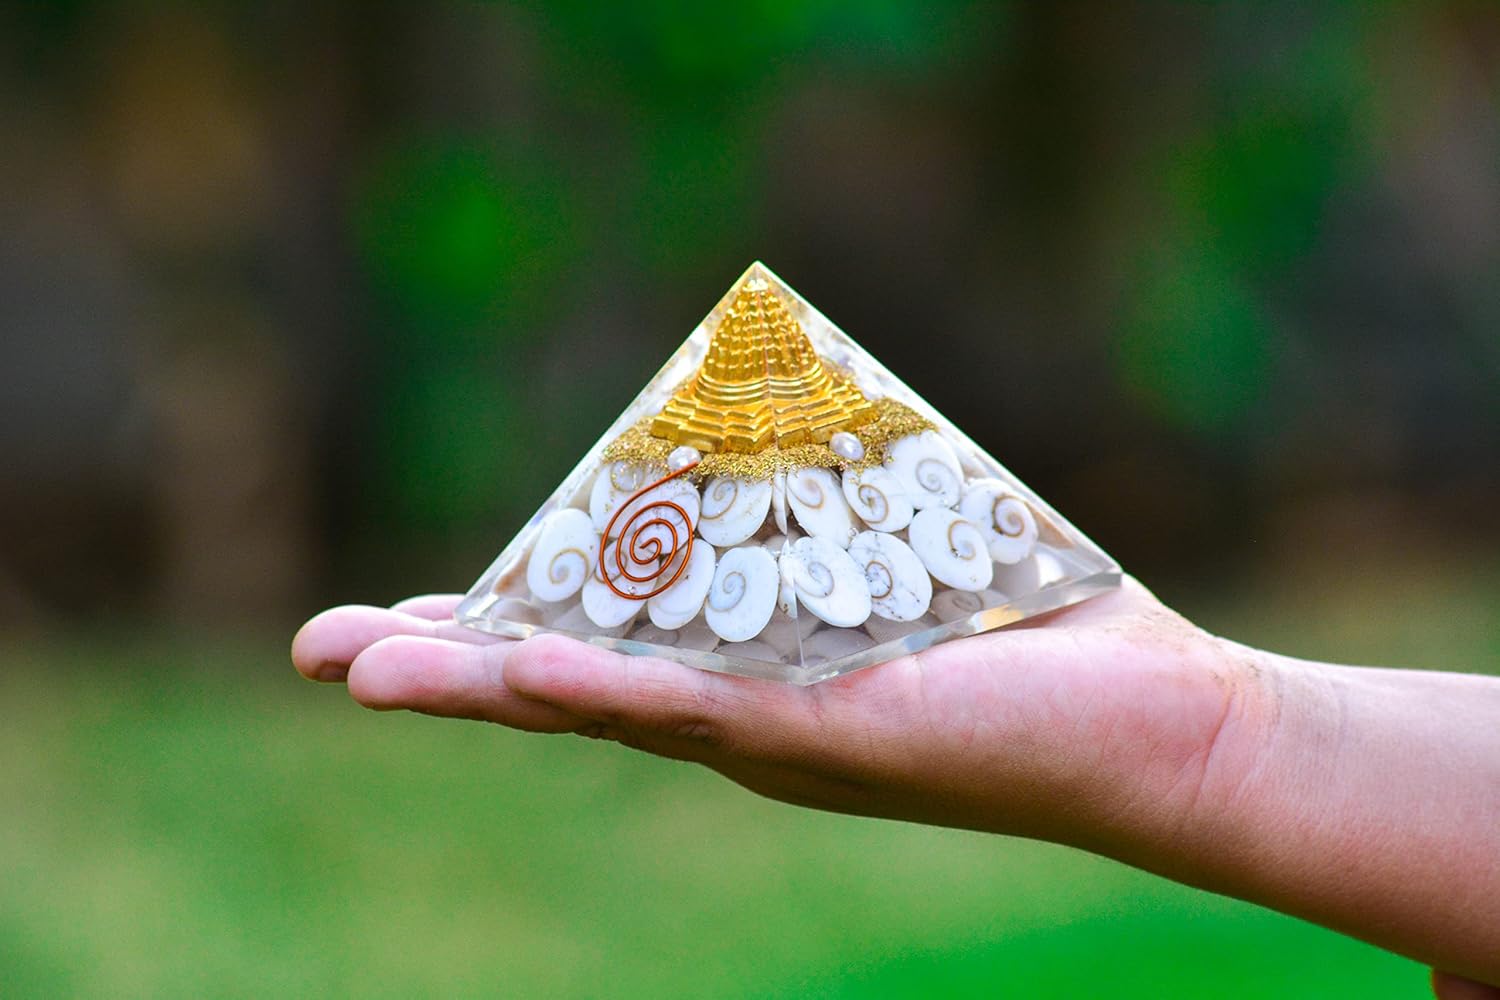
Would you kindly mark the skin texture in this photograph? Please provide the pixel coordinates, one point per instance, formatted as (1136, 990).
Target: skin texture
(1366, 800)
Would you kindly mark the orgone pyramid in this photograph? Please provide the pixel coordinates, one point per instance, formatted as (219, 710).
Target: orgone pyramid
(775, 503)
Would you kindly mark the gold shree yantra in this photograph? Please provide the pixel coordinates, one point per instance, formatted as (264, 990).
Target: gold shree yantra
(760, 384)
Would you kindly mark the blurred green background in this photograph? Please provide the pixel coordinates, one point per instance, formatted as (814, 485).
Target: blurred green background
(315, 303)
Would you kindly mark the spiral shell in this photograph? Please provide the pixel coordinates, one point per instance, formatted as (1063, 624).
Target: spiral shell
(876, 495)
(614, 485)
(882, 630)
(834, 644)
(785, 634)
(819, 505)
(927, 469)
(952, 605)
(576, 619)
(733, 509)
(1005, 520)
(952, 549)
(743, 593)
(616, 602)
(786, 590)
(778, 500)
(900, 589)
(697, 635)
(827, 582)
(680, 603)
(562, 556)
(652, 528)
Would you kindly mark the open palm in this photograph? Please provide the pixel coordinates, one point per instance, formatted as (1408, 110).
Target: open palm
(1114, 725)
(1064, 728)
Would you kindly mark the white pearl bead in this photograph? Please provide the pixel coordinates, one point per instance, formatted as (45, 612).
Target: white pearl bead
(682, 457)
(846, 445)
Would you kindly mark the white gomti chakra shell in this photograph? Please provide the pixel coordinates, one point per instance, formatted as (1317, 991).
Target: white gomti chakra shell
(786, 592)
(882, 630)
(743, 593)
(778, 500)
(563, 556)
(819, 505)
(900, 589)
(877, 497)
(827, 582)
(680, 603)
(785, 634)
(1021, 578)
(576, 619)
(834, 643)
(638, 516)
(697, 635)
(952, 605)
(733, 510)
(606, 608)
(614, 485)
(786, 595)
(1005, 520)
(927, 469)
(952, 549)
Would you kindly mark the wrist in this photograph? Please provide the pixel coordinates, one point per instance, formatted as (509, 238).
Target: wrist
(1199, 717)
(1345, 796)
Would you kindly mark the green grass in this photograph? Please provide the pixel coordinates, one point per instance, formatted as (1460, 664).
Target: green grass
(182, 821)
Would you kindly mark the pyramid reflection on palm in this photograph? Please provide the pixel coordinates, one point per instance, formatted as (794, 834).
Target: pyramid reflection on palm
(775, 503)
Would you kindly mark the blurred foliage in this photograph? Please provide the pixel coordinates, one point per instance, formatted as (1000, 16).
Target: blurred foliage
(1197, 344)
(1247, 250)
(1244, 201)
(672, 53)
(447, 231)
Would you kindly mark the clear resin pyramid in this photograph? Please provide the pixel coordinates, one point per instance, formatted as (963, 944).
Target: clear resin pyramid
(775, 503)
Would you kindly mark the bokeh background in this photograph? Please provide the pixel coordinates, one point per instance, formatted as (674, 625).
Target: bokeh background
(314, 303)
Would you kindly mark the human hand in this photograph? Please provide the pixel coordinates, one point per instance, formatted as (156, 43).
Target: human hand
(1103, 716)
(1114, 725)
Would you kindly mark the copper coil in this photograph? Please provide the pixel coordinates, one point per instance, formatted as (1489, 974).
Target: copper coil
(651, 547)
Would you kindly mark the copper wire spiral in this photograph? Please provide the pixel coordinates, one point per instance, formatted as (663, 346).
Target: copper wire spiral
(651, 547)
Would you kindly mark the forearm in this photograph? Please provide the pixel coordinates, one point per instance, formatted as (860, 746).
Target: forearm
(1364, 800)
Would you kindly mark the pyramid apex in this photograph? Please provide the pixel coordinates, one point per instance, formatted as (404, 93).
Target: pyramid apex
(757, 277)
(760, 383)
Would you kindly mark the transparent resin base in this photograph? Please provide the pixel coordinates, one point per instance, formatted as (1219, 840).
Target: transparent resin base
(798, 575)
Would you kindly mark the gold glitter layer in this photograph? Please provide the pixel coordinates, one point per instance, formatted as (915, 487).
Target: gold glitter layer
(892, 421)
